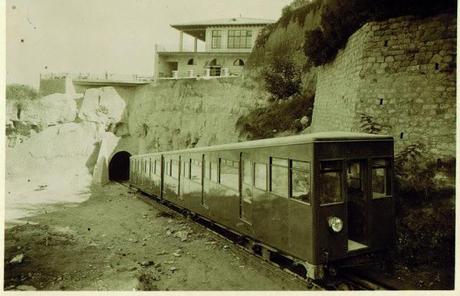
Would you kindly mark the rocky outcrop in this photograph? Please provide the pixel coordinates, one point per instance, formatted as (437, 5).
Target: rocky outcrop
(59, 141)
(102, 105)
(49, 110)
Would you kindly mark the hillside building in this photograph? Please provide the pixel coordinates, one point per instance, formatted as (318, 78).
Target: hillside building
(228, 43)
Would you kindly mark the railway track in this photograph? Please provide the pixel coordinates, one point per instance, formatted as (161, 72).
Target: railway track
(343, 281)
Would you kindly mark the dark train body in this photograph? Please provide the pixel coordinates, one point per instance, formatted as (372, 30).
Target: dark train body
(316, 198)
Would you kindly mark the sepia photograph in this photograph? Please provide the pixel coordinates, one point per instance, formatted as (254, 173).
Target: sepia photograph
(231, 145)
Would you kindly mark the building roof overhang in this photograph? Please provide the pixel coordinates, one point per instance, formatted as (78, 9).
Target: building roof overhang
(198, 29)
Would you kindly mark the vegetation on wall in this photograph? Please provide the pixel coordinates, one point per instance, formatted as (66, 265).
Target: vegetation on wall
(279, 116)
(340, 19)
(298, 14)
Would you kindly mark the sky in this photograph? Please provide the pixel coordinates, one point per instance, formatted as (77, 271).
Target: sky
(96, 36)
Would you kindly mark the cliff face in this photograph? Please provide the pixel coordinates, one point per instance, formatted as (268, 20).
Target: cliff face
(186, 113)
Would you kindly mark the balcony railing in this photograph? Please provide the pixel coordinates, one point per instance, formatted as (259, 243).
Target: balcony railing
(210, 73)
(98, 77)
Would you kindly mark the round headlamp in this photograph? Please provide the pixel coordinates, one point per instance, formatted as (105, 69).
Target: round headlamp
(335, 223)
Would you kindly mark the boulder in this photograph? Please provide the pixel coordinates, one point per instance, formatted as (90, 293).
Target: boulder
(66, 142)
(49, 110)
(25, 288)
(102, 105)
(17, 259)
(304, 120)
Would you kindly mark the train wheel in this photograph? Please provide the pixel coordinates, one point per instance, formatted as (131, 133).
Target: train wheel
(344, 287)
(309, 283)
(265, 253)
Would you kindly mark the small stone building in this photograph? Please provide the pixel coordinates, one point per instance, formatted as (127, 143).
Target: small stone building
(228, 43)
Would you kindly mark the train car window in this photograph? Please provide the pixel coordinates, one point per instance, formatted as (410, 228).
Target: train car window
(229, 173)
(175, 169)
(207, 170)
(158, 167)
(300, 181)
(330, 182)
(167, 166)
(260, 176)
(354, 176)
(381, 183)
(214, 174)
(247, 174)
(279, 176)
(196, 171)
(186, 168)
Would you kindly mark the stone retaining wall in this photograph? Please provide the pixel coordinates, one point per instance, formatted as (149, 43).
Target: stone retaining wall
(395, 77)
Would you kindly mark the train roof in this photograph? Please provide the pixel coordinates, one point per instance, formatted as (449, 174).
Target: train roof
(290, 140)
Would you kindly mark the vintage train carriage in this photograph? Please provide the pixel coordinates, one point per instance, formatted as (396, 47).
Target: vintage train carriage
(316, 198)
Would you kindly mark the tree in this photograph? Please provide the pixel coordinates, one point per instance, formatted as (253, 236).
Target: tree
(282, 77)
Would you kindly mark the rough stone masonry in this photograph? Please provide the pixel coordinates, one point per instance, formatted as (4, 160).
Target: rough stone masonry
(397, 76)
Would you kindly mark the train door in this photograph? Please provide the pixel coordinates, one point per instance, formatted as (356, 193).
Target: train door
(246, 190)
(357, 204)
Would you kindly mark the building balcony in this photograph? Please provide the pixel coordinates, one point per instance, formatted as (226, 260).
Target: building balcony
(199, 65)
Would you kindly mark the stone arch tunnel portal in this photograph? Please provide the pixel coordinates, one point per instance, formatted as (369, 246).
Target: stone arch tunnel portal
(119, 166)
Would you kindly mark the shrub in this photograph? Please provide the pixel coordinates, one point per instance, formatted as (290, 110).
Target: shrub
(426, 235)
(277, 117)
(20, 92)
(425, 213)
(368, 124)
(415, 174)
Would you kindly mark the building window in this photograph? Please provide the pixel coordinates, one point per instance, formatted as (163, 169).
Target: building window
(216, 39)
(239, 39)
(191, 62)
(238, 62)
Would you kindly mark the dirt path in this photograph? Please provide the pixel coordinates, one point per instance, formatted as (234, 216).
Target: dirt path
(116, 241)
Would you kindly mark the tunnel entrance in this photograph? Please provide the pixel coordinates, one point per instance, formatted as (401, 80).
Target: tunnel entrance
(119, 167)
